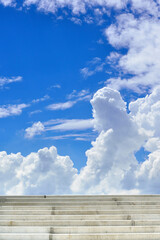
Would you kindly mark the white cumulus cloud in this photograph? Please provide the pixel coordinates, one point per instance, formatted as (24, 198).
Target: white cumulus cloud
(76, 6)
(36, 129)
(43, 172)
(81, 6)
(112, 154)
(140, 36)
(111, 165)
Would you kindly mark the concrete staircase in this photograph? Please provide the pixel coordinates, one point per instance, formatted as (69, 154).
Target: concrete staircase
(80, 217)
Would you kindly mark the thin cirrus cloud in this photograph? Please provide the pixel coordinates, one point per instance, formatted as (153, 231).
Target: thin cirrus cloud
(59, 125)
(56, 86)
(72, 124)
(35, 112)
(77, 96)
(16, 109)
(42, 99)
(5, 81)
(99, 65)
(93, 66)
(61, 106)
(76, 137)
(12, 110)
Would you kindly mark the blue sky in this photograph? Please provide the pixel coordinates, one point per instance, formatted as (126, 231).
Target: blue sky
(79, 84)
(46, 52)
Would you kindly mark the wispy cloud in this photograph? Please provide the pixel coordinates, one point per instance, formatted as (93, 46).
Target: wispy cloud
(76, 20)
(83, 95)
(54, 86)
(76, 7)
(100, 41)
(61, 106)
(93, 66)
(54, 121)
(59, 125)
(6, 3)
(76, 137)
(5, 81)
(99, 7)
(46, 97)
(35, 112)
(72, 124)
(76, 94)
(12, 110)
(113, 58)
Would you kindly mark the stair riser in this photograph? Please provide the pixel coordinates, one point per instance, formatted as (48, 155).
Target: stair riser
(51, 203)
(81, 212)
(81, 217)
(82, 230)
(82, 237)
(100, 207)
(84, 197)
(81, 223)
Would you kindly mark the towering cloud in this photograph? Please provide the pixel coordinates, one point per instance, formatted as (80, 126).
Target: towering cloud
(112, 154)
(111, 165)
(146, 113)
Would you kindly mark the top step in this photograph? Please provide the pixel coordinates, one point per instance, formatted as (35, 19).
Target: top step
(89, 198)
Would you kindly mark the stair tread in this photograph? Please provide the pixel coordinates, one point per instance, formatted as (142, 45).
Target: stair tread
(116, 217)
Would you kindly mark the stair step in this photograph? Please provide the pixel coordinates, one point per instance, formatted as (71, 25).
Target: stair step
(82, 197)
(81, 223)
(80, 212)
(109, 236)
(100, 207)
(81, 217)
(81, 229)
(78, 203)
(116, 217)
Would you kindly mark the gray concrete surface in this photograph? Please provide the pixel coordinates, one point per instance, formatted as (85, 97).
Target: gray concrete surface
(80, 217)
